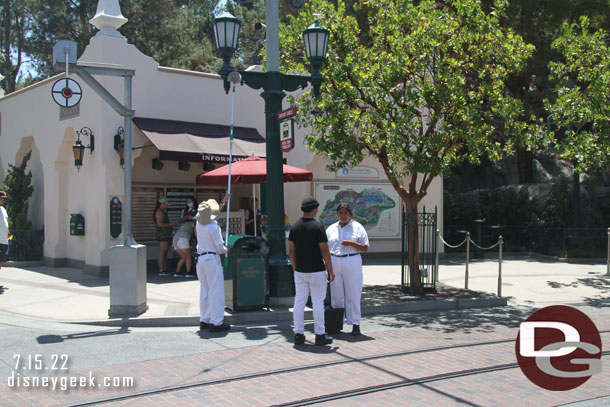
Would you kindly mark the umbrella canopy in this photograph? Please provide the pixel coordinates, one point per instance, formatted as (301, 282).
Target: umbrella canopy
(251, 170)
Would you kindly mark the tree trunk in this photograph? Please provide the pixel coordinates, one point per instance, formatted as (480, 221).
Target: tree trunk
(413, 247)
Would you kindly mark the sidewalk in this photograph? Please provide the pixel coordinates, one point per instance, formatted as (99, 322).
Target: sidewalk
(69, 295)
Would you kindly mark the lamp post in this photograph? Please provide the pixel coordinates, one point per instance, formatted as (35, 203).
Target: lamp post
(273, 83)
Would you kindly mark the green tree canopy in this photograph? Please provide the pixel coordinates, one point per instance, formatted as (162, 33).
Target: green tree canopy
(582, 84)
(418, 85)
(423, 89)
(19, 189)
(176, 33)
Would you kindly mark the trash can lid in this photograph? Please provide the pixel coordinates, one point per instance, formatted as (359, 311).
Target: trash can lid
(234, 238)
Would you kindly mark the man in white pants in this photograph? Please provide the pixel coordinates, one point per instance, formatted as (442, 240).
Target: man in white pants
(310, 258)
(209, 268)
(346, 239)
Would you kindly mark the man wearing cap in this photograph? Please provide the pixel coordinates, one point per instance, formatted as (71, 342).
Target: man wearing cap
(310, 258)
(209, 269)
(4, 233)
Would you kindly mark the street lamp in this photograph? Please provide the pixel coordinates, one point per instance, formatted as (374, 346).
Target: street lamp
(273, 83)
(226, 34)
(316, 42)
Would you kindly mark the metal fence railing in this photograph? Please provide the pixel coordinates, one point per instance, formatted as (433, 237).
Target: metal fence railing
(560, 242)
(467, 242)
(427, 249)
(26, 245)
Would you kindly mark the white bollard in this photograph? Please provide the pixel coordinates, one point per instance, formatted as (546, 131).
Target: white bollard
(467, 259)
(500, 243)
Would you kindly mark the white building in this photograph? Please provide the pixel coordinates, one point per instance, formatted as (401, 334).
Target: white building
(173, 107)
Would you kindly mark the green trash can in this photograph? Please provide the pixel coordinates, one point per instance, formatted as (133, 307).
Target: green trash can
(245, 274)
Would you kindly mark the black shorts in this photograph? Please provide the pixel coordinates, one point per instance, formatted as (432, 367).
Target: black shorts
(3, 250)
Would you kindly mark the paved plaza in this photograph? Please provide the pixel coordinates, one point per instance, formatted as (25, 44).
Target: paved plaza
(408, 356)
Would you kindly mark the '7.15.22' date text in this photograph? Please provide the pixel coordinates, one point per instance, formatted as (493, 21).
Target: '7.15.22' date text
(38, 362)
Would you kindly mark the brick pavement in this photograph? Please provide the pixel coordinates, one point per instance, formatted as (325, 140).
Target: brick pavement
(348, 364)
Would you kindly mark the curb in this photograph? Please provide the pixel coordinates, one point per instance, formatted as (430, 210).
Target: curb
(285, 315)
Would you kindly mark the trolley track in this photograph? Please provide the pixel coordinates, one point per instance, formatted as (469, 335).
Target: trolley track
(338, 395)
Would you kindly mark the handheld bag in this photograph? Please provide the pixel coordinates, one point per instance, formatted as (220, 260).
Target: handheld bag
(333, 319)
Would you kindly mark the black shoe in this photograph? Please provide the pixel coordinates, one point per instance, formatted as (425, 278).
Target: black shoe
(299, 339)
(356, 330)
(204, 325)
(322, 340)
(220, 328)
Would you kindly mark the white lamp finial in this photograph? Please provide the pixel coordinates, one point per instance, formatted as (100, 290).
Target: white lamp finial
(108, 15)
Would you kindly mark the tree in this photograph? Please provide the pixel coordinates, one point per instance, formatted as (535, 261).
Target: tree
(176, 33)
(55, 20)
(15, 23)
(540, 24)
(19, 189)
(420, 86)
(582, 84)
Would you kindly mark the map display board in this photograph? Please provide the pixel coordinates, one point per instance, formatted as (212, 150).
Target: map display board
(375, 206)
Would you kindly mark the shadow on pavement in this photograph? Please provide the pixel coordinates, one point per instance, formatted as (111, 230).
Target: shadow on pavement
(72, 275)
(597, 282)
(464, 321)
(311, 348)
(347, 337)
(374, 295)
(46, 339)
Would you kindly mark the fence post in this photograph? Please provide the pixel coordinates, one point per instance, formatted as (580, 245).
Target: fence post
(438, 241)
(467, 259)
(500, 243)
(608, 261)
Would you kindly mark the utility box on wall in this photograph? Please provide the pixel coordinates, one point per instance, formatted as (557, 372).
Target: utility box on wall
(77, 225)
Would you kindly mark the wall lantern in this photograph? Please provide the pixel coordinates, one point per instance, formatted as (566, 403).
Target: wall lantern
(119, 144)
(157, 164)
(79, 149)
(184, 166)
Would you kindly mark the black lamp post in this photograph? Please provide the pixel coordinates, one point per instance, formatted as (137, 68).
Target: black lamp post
(273, 83)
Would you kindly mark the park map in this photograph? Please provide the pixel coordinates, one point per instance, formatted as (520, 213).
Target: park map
(367, 206)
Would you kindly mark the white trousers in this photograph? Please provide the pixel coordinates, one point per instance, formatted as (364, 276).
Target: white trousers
(346, 288)
(306, 284)
(212, 289)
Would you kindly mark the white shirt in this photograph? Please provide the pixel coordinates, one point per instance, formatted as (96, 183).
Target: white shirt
(209, 238)
(352, 231)
(3, 226)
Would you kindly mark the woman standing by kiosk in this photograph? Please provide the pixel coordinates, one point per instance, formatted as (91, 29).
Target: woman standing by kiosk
(346, 239)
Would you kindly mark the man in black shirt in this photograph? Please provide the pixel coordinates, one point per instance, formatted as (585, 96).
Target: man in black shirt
(310, 257)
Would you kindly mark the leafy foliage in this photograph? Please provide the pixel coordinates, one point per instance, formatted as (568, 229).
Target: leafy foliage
(583, 85)
(422, 90)
(15, 22)
(19, 190)
(176, 33)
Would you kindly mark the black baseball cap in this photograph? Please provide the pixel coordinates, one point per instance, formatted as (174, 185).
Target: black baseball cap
(309, 204)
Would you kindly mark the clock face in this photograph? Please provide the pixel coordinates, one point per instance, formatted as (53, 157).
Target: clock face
(296, 4)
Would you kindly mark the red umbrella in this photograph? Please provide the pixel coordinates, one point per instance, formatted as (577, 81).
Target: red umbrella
(251, 170)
